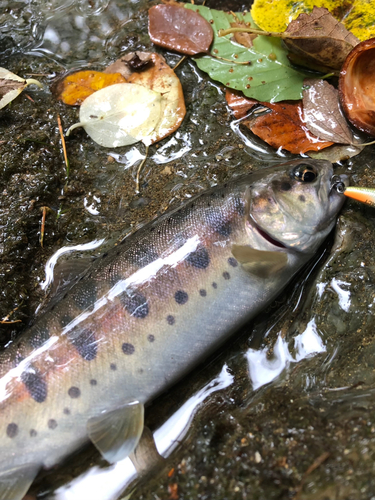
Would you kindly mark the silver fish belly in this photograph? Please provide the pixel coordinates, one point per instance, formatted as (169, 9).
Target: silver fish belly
(149, 310)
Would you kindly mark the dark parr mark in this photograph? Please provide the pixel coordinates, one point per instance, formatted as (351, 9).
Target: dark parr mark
(74, 392)
(35, 384)
(85, 343)
(136, 304)
(12, 430)
(40, 337)
(87, 297)
(52, 424)
(223, 228)
(202, 293)
(232, 262)
(285, 186)
(171, 320)
(33, 433)
(127, 348)
(199, 259)
(226, 275)
(151, 338)
(181, 297)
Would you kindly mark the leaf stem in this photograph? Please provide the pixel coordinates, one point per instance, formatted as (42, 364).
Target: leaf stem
(251, 30)
(67, 170)
(139, 171)
(230, 60)
(32, 81)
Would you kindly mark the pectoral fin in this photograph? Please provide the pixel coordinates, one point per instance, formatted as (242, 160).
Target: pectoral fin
(261, 263)
(116, 433)
(15, 482)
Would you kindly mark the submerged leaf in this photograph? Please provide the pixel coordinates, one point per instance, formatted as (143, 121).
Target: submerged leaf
(120, 115)
(11, 85)
(162, 79)
(319, 39)
(262, 72)
(283, 128)
(336, 152)
(74, 88)
(175, 28)
(322, 113)
(238, 103)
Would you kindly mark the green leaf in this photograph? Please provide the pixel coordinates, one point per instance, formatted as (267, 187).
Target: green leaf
(269, 76)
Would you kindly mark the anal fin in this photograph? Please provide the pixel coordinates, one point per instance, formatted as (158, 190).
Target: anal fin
(116, 433)
(261, 263)
(15, 482)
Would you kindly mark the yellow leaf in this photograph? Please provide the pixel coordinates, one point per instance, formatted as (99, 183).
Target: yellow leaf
(358, 16)
(74, 88)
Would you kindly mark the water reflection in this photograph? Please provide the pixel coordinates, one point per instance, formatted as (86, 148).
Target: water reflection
(108, 483)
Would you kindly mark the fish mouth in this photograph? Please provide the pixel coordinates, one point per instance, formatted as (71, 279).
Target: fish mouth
(267, 236)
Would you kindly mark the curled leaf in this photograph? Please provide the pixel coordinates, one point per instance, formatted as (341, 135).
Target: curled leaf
(12, 85)
(74, 88)
(173, 27)
(120, 115)
(322, 114)
(126, 64)
(357, 86)
(283, 128)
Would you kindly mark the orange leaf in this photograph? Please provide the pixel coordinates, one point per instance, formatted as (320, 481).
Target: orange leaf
(283, 127)
(239, 104)
(74, 88)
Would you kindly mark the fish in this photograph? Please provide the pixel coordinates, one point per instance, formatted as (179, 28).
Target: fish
(149, 310)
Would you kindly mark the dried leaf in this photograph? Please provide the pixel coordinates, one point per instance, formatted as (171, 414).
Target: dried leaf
(336, 153)
(162, 79)
(12, 85)
(322, 113)
(179, 29)
(239, 104)
(320, 39)
(74, 88)
(283, 128)
(120, 115)
(356, 15)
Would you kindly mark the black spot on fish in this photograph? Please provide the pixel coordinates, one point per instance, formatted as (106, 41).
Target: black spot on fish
(85, 343)
(66, 411)
(12, 430)
(35, 384)
(33, 433)
(65, 320)
(93, 381)
(113, 367)
(220, 225)
(171, 320)
(52, 424)
(40, 337)
(214, 285)
(151, 338)
(302, 198)
(87, 297)
(74, 392)
(127, 348)
(199, 259)
(226, 275)
(202, 293)
(232, 262)
(104, 255)
(285, 186)
(136, 304)
(181, 297)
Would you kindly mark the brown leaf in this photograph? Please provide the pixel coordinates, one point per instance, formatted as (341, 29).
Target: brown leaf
(322, 113)
(74, 88)
(283, 128)
(161, 78)
(176, 28)
(10, 85)
(239, 104)
(319, 39)
(245, 39)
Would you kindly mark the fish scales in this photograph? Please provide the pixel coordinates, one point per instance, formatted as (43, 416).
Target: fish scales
(153, 307)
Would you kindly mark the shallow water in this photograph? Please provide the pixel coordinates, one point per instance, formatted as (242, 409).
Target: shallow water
(295, 388)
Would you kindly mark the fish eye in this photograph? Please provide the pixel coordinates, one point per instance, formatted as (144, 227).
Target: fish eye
(304, 173)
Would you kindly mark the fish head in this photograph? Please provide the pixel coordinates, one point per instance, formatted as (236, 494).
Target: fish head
(295, 205)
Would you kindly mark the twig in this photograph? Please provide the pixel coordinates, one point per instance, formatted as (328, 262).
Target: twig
(312, 467)
(63, 145)
(30, 98)
(44, 213)
(179, 62)
(139, 171)
(5, 321)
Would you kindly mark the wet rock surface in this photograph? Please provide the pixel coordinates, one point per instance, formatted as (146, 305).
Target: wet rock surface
(298, 418)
